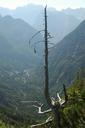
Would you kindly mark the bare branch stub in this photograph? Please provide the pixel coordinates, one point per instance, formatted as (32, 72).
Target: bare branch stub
(40, 109)
(61, 101)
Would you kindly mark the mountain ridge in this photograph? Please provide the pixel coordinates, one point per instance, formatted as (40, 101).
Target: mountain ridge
(69, 55)
(17, 33)
(59, 23)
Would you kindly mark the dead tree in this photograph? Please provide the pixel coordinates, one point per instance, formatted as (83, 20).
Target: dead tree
(55, 105)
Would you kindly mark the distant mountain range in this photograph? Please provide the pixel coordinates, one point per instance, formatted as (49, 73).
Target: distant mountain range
(60, 23)
(79, 13)
(27, 13)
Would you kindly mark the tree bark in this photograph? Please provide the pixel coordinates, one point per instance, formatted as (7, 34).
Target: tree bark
(47, 96)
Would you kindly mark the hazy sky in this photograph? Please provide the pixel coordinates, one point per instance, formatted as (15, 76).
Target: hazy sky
(58, 4)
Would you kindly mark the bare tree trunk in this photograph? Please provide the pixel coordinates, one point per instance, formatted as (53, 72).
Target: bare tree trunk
(47, 96)
(55, 109)
(57, 117)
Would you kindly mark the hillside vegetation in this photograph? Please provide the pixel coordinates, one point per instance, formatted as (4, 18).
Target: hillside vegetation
(72, 116)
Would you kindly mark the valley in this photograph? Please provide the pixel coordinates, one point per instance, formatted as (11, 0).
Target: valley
(22, 69)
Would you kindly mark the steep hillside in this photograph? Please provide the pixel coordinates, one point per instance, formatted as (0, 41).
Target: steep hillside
(14, 43)
(73, 108)
(17, 63)
(16, 87)
(67, 57)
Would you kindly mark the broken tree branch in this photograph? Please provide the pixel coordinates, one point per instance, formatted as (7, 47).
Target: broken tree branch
(40, 109)
(48, 121)
(61, 101)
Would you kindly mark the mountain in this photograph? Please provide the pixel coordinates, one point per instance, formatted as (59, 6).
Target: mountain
(17, 65)
(79, 13)
(60, 23)
(5, 11)
(26, 13)
(14, 43)
(67, 57)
